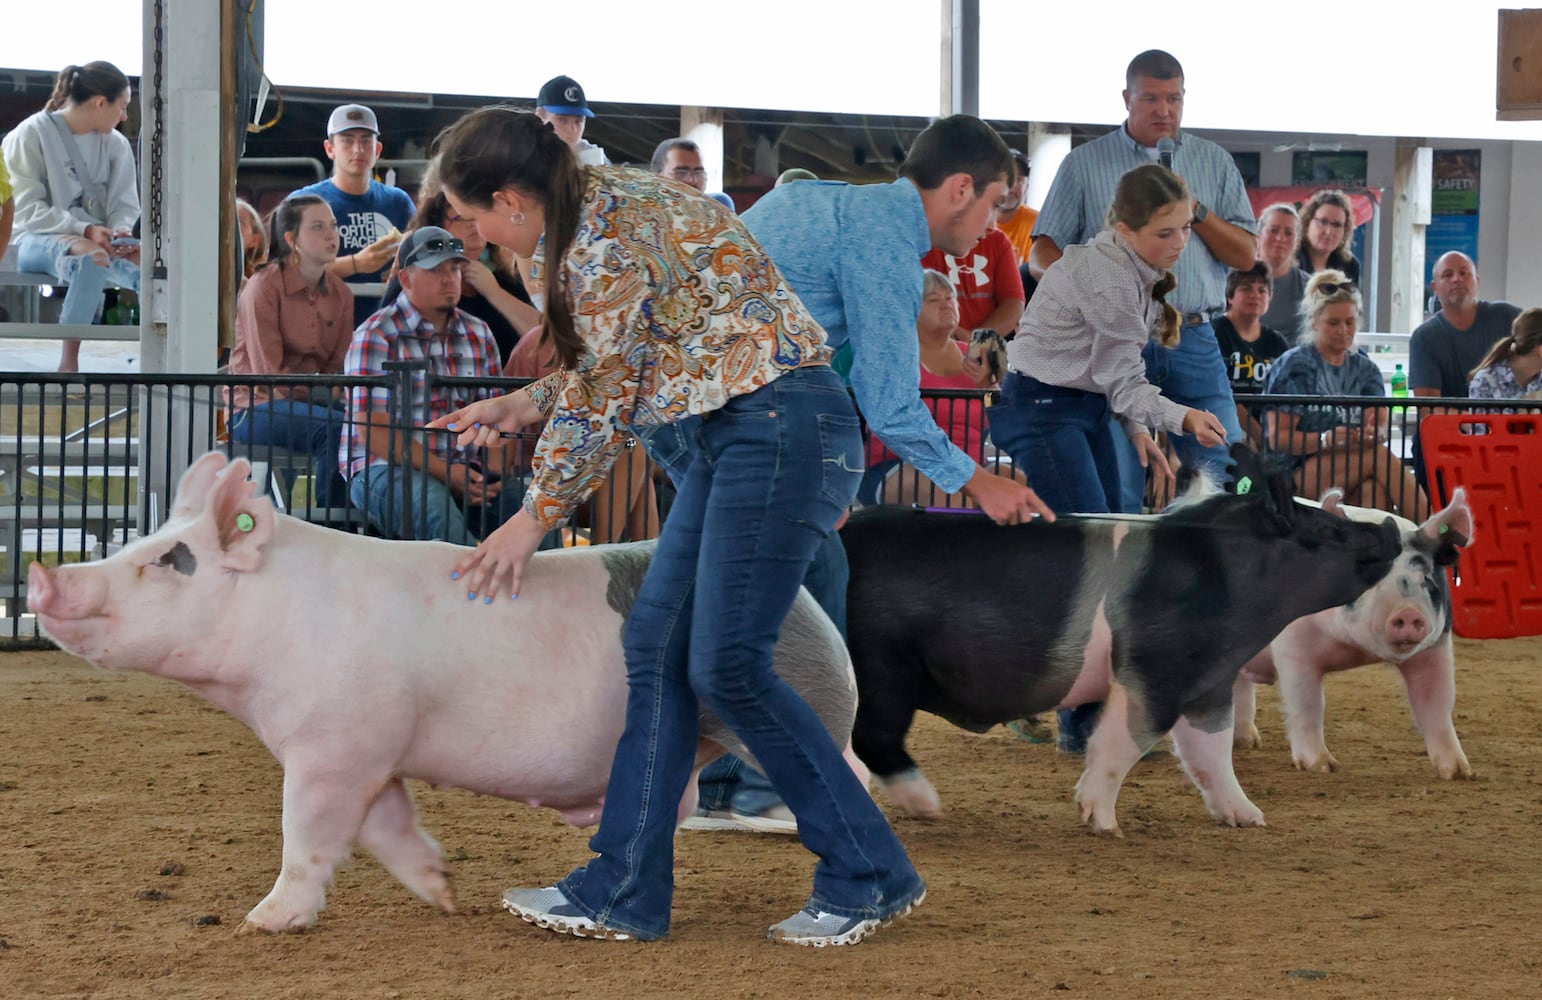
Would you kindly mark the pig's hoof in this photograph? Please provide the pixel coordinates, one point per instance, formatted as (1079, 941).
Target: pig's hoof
(256, 923)
(1323, 763)
(1100, 821)
(1247, 739)
(913, 794)
(1244, 814)
(1453, 769)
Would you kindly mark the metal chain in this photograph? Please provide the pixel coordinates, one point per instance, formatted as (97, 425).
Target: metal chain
(157, 143)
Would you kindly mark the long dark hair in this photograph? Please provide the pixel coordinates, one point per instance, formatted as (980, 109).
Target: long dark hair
(286, 218)
(78, 84)
(501, 147)
(1140, 194)
(434, 209)
(1525, 335)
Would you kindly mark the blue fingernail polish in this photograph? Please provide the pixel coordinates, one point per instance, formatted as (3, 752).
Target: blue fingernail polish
(455, 575)
(513, 597)
(488, 599)
(471, 595)
(476, 424)
(450, 426)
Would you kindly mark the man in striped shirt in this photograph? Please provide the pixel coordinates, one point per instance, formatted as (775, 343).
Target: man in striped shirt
(390, 470)
(1075, 211)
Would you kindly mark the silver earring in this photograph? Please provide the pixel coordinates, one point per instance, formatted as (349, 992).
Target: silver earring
(518, 218)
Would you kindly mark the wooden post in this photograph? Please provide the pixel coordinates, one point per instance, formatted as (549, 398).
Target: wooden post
(1412, 179)
(1519, 96)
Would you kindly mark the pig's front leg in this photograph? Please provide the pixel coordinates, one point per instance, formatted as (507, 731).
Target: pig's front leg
(1204, 745)
(1244, 700)
(1303, 704)
(1114, 748)
(324, 807)
(392, 833)
(1430, 678)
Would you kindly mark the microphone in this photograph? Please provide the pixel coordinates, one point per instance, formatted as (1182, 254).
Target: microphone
(1165, 148)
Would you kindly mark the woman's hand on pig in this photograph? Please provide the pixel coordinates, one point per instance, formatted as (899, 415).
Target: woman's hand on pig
(498, 564)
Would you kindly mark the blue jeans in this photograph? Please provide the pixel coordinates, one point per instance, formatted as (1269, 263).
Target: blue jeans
(436, 514)
(298, 426)
(1193, 374)
(1059, 437)
(50, 254)
(770, 474)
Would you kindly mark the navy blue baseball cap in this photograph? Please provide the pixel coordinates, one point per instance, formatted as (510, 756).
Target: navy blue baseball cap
(562, 95)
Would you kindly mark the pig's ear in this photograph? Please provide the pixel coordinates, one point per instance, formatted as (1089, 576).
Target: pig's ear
(1333, 502)
(243, 520)
(193, 489)
(1449, 529)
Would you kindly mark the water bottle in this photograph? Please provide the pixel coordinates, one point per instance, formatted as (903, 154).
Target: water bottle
(1399, 381)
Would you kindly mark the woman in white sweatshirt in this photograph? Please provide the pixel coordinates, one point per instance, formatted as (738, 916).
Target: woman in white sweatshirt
(77, 193)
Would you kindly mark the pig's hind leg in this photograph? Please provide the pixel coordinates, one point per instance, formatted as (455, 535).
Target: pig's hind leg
(1203, 741)
(392, 833)
(324, 810)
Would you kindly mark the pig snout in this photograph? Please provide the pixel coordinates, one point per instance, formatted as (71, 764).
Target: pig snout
(50, 594)
(1407, 627)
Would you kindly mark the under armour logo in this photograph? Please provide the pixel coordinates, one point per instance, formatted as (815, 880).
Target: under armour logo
(957, 268)
(571, 93)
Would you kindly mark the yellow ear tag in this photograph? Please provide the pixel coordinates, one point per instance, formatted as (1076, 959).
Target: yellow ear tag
(245, 522)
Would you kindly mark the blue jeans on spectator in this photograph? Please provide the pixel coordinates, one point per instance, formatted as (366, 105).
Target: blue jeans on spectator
(379, 492)
(298, 426)
(766, 482)
(1059, 437)
(50, 254)
(1193, 374)
(728, 783)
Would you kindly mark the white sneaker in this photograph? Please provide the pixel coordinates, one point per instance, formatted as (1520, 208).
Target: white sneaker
(814, 928)
(550, 909)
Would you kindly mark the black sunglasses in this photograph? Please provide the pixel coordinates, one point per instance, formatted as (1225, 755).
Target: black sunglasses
(434, 246)
(1335, 287)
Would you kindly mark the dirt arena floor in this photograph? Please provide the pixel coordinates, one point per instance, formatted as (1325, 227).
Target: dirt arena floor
(138, 825)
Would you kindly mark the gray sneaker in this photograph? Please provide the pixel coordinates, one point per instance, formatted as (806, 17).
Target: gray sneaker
(550, 909)
(814, 928)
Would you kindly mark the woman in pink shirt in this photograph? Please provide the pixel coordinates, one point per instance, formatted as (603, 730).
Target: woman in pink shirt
(294, 317)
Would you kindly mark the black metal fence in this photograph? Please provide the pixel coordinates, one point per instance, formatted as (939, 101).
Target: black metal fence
(88, 462)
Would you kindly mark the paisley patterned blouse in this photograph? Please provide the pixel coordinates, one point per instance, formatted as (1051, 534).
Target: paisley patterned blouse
(680, 310)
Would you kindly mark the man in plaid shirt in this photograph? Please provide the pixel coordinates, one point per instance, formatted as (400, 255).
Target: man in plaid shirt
(451, 496)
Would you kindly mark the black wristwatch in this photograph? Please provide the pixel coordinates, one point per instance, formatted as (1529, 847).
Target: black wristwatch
(1201, 213)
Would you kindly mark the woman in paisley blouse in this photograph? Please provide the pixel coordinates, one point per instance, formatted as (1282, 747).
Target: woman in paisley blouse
(661, 309)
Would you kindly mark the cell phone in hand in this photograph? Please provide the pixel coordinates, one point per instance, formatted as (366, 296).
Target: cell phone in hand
(125, 241)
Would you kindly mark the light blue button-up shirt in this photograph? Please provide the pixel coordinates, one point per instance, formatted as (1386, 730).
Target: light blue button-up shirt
(852, 253)
(1076, 208)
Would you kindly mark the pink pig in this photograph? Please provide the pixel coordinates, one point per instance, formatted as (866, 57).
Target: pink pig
(1404, 620)
(359, 664)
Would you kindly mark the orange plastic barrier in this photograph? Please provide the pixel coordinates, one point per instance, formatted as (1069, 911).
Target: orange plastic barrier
(1497, 458)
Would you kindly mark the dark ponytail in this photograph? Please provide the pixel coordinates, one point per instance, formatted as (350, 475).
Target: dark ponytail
(1171, 326)
(78, 84)
(1140, 194)
(499, 147)
(1525, 336)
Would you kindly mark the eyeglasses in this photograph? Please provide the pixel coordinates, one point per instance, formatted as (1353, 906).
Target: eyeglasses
(686, 173)
(1327, 223)
(431, 246)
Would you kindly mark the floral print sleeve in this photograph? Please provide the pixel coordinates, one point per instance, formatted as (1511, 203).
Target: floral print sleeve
(679, 309)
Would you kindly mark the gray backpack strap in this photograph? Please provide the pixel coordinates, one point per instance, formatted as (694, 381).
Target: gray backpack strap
(93, 193)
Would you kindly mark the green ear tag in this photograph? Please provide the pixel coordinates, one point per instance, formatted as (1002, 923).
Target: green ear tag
(245, 522)
(1244, 485)
(1444, 528)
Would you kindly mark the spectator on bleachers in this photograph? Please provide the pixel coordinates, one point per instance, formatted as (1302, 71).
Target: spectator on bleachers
(1445, 348)
(1248, 344)
(294, 317)
(1338, 444)
(1327, 229)
(7, 206)
(370, 215)
(254, 239)
(679, 159)
(944, 365)
(988, 283)
(491, 290)
(1512, 369)
(77, 192)
(562, 105)
(1278, 228)
(453, 498)
(1016, 219)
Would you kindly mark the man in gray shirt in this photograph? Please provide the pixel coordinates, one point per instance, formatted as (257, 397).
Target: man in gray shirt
(1448, 346)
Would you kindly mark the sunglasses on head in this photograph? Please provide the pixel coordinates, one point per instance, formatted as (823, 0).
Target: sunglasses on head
(1335, 287)
(434, 245)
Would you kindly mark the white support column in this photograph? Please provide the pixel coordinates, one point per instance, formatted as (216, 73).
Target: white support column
(1411, 192)
(704, 127)
(1048, 145)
